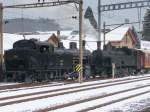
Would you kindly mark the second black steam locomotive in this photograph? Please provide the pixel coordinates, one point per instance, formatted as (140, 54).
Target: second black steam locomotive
(124, 59)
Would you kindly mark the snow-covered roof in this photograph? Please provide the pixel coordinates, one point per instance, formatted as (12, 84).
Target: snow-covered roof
(117, 34)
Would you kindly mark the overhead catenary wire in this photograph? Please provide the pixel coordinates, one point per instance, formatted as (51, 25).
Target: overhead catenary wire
(67, 18)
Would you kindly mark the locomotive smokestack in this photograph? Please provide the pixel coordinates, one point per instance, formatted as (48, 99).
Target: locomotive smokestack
(98, 44)
(58, 37)
(73, 45)
(60, 45)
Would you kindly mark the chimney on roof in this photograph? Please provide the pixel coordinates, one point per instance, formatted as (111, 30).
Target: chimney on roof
(58, 34)
(60, 45)
(98, 45)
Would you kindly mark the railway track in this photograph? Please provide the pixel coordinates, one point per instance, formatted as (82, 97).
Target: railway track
(47, 94)
(48, 84)
(38, 84)
(21, 85)
(70, 90)
(98, 97)
(146, 110)
(114, 101)
(31, 87)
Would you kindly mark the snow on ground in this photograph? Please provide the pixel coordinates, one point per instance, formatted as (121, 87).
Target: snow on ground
(131, 105)
(25, 88)
(6, 84)
(83, 94)
(53, 101)
(92, 103)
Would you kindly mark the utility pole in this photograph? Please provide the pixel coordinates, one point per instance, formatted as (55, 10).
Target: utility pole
(99, 25)
(104, 32)
(1, 41)
(80, 40)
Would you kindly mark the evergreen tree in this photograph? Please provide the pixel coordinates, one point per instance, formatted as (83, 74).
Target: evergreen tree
(146, 26)
(89, 15)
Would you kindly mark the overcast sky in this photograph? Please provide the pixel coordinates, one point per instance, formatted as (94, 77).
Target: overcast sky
(63, 14)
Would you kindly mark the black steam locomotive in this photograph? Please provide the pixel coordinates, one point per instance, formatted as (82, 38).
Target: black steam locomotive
(124, 60)
(32, 60)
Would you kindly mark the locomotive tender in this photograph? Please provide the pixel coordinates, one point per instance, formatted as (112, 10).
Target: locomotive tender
(32, 60)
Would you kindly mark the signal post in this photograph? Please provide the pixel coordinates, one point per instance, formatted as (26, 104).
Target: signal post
(80, 40)
(1, 41)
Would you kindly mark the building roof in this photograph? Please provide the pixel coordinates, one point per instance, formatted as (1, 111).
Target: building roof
(117, 34)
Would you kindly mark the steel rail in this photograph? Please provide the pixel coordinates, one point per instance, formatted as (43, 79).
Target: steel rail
(89, 99)
(114, 101)
(57, 94)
